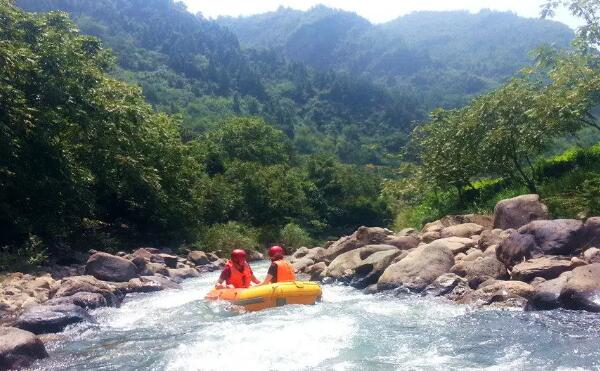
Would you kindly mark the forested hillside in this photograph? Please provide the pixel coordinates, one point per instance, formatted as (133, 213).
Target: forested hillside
(443, 57)
(191, 66)
(86, 162)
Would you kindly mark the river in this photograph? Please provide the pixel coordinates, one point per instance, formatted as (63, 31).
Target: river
(348, 330)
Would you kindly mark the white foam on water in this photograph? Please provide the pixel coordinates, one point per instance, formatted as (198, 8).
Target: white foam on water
(281, 343)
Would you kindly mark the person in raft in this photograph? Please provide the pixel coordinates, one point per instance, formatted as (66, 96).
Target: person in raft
(237, 273)
(280, 270)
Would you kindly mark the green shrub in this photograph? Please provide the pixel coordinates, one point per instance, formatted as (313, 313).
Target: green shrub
(29, 256)
(223, 238)
(294, 237)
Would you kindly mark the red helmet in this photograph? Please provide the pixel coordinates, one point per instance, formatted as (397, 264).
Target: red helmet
(238, 256)
(276, 251)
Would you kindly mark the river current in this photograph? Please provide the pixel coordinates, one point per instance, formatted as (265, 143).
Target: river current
(348, 330)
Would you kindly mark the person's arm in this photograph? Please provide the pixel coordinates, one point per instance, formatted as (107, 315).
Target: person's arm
(223, 278)
(270, 274)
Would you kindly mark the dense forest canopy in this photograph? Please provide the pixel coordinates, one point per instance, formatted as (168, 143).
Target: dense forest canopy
(126, 122)
(444, 57)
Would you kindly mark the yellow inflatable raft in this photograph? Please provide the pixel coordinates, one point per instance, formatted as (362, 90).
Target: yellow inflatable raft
(268, 296)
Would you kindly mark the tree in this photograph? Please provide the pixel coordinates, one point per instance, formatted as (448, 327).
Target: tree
(588, 10)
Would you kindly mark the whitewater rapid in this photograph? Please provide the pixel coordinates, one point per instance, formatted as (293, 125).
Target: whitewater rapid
(348, 330)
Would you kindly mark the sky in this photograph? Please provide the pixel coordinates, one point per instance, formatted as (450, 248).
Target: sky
(377, 11)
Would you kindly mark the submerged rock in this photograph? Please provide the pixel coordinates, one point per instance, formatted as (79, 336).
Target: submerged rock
(43, 319)
(86, 300)
(151, 284)
(19, 348)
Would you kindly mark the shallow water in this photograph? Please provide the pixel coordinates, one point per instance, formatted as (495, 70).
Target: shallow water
(176, 330)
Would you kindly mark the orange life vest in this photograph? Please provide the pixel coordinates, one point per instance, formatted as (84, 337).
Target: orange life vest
(285, 271)
(239, 279)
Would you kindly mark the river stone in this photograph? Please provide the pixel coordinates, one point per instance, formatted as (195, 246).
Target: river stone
(344, 265)
(592, 232)
(455, 244)
(519, 211)
(198, 257)
(362, 237)
(19, 348)
(500, 291)
(316, 271)
(72, 285)
(86, 300)
(151, 284)
(300, 252)
(443, 285)
(301, 264)
(517, 247)
(592, 255)
(428, 237)
(43, 319)
(547, 293)
(547, 267)
(582, 289)
(110, 268)
(556, 237)
(480, 270)
(465, 230)
(183, 273)
(418, 269)
(371, 268)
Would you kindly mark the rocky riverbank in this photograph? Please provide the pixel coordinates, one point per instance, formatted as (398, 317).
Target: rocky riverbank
(518, 257)
(55, 297)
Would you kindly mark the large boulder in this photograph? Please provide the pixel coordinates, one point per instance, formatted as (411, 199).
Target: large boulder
(183, 273)
(444, 285)
(254, 256)
(19, 348)
(518, 211)
(362, 237)
(547, 293)
(170, 261)
(108, 267)
(431, 236)
(582, 289)
(371, 268)
(343, 266)
(151, 284)
(86, 300)
(509, 292)
(199, 258)
(155, 268)
(418, 269)
(316, 271)
(301, 264)
(591, 232)
(592, 255)
(480, 270)
(465, 230)
(402, 242)
(455, 244)
(556, 237)
(491, 237)
(516, 248)
(44, 319)
(72, 285)
(547, 267)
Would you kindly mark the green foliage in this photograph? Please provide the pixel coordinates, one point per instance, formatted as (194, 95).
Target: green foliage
(292, 236)
(223, 238)
(31, 254)
(443, 57)
(78, 145)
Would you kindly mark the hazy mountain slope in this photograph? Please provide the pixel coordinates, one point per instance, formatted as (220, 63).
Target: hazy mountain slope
(444, 55)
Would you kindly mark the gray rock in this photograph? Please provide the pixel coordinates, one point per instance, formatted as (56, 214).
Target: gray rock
(443, 285)
(151, 284)
(19, 348)
(301, 264)
(519, 211)
(316, 271)
(547, 293)
(44, 319)
(465, 230)
(362, 237)
(592, 255)
(73, 285)
(556, 237)
(455, 244)
(516, 248)
(428, 237)
(592, 232)
(547, 267)
(199, 258)
(343, 267)
(480, 270)
(418, 269)
(183, 273)
(582, 289)
(170, 260)
(110, 268)
(86, 300)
